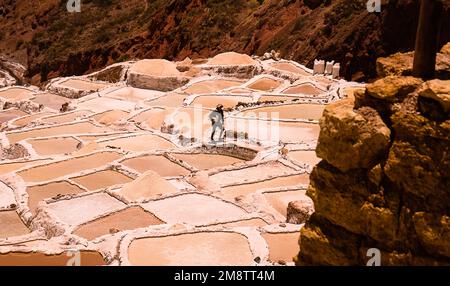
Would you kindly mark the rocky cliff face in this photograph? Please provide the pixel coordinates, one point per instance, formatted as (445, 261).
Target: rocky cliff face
(384, 180)
(51, 42)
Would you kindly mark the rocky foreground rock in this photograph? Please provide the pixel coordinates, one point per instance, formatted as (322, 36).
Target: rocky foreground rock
(384, 180)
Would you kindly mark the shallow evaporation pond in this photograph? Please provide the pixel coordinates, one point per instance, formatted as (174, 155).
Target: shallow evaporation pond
(66, 117)
(157, 163)
(298, 132)
(16, 94)
(39, 193)
(210, 86)
(102, 179)
(246, 189)
(192, 121)
(64, 168)
(103, 103)
(84, 85)
(68, 129)
(195, 249)
(21, 122)
(265, 84)
(169, 100)
(87, 258)
(303, 89)
(251, 174)
(207, 161)
(280, 200)
(11, 167)
(194, 209)
(127, 219)
(10, 114)
(80, 210)
(211, 101)
(282, 246)
(133, 94)
(139, 143)
(153, 118)
(275, 131)
(290, 68)
(54, 146)
(11, 225)
(110, 116)
(308, 157)
(289, 111)
(50, 100)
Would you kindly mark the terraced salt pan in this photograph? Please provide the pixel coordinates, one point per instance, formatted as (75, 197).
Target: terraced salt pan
(111, 116)
(83, 84)
(282, 246)
(152, 118)
(39, 193)
(10, 114)
(251, 174)
(303, 89)
(192, 122)
(291, 111)
(139, 143)
(54, 146)
(100, 104)
(240, 91)
(157, 163)
(11, 225)
(134, 94)
(211, 101)
(127, 219)
(63, 168)
(102, 179)
(280, 200)
(273, 130)
(246, 189)
(290, 68)
(170, 100)
(87, 258)
(50, 100)
(83, 209)
(196, 249)
(147, 186)
(308, 157)
(15, 94)
(207, 161)
(185, 209)
(210, 86)
(25, 120)
(265, 84)
(49, 131)
(11, 167)
(66, 117)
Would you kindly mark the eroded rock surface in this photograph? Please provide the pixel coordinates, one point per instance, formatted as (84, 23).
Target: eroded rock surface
(383, 181)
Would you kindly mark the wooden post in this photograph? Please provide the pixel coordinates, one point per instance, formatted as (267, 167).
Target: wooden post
(427, 39)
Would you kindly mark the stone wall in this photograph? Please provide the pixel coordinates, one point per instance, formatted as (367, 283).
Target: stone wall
(384, 180)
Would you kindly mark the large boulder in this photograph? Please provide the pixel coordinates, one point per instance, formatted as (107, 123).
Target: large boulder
(434, 99)
(351, 139)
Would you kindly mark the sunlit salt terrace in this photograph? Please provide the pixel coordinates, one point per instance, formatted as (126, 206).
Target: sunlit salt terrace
(126, 173)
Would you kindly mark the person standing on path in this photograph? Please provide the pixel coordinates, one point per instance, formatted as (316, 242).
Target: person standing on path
(217, 121)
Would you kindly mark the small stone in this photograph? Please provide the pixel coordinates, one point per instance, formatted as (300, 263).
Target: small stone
(282, 262)
(113, 230)
(257, 259)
